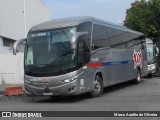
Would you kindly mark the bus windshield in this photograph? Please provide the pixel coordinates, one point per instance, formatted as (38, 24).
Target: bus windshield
(150, 53)
(49, 53)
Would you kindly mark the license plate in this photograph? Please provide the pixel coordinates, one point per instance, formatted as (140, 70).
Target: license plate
(47, 93)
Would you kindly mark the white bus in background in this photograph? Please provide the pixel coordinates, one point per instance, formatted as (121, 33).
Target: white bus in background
(152, 52)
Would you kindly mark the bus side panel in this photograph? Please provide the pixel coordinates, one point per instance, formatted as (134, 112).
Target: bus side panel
(124, 64)
(100, 57)
(116, 65)
(144, 69)
(85, 84)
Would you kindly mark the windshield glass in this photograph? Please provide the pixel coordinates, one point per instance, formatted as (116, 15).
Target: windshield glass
(150, 53)
(49, 53)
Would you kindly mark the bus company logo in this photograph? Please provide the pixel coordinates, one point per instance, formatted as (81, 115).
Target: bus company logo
(45, 79)
(137, 57)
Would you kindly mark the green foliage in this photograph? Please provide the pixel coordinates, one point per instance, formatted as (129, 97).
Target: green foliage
(144, 16)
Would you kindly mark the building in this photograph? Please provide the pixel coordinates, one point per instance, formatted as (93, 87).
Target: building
(16, 18)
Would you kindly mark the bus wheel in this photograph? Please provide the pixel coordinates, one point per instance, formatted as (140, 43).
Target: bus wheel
(149, 75)
(138, 78)
(98, 88)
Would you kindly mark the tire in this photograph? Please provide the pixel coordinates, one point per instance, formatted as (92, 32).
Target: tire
(149, 75)
(138, 78)
(98, 88)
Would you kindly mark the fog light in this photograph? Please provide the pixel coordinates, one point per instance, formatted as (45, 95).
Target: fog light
(27, 82)
(27, 90)
(71, 88)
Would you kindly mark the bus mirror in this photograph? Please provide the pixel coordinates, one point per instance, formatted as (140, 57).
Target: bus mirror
(75, 38)
(15, 45)
(157, 51)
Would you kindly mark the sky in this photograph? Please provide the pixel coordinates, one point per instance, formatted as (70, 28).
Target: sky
(109, 10)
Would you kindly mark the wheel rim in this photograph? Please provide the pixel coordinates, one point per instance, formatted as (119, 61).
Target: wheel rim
(138, 77)
(97, 86)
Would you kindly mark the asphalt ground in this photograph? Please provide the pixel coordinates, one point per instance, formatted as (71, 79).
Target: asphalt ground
(122, 97)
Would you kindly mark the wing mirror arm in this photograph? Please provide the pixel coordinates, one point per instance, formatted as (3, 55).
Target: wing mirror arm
(15, 45)
(75, 38)
(157, 51)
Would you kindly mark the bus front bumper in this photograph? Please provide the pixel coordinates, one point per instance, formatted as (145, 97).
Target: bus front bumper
(151, 68)
(66, 89)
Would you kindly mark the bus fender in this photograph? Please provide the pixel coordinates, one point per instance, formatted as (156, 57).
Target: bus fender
(97, 72)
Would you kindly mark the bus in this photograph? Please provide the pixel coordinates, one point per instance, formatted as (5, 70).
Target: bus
(77, 55)
(152, 51)
(157, 42)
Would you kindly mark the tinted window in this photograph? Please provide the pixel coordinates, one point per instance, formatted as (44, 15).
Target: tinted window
(116, 37)
(122, 39)
(134, 44)
(84, 43)
(150, 53)
(7, 42)
(99, 37)
(120, 46)
(81, 52)
(49, 53)
(85, 27)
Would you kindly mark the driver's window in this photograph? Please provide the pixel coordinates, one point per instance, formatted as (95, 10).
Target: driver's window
(81, 52)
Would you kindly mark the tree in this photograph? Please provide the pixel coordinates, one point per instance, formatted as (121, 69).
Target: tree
(144, 16)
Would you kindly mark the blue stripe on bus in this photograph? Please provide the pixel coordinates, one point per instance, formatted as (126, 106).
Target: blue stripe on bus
(92, 65)
(115, 63)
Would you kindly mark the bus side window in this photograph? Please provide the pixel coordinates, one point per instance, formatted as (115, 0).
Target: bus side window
(84, 42)
(83, 50)
(85, 27)
(134, 44)
(117, 38)
(99, 37)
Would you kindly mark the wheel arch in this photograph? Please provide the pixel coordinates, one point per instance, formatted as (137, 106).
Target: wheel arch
(99, 73)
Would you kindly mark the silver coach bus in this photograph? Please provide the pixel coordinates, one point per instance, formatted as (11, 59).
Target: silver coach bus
(80, 55)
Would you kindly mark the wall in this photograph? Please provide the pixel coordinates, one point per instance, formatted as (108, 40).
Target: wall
(16, 15)
(11, 19)
(14, 18)
(36, 12)
(12, 71)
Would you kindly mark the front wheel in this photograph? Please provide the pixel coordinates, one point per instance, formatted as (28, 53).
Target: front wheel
(98, 87)
(149, 75)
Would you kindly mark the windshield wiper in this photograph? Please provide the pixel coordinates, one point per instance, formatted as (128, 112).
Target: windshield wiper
(62, 70)
(68, 52)
(59, 57)
(32, 68)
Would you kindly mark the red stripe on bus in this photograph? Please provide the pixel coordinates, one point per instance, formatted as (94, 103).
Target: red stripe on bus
(90, 65)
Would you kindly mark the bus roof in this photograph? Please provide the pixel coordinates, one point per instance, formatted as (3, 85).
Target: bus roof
(72, 21)
(148, 40)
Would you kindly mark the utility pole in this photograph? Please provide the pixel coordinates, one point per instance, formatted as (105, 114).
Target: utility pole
(25, 19)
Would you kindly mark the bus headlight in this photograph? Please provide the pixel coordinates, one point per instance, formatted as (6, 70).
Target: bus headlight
(70, 79)
(153, 67)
